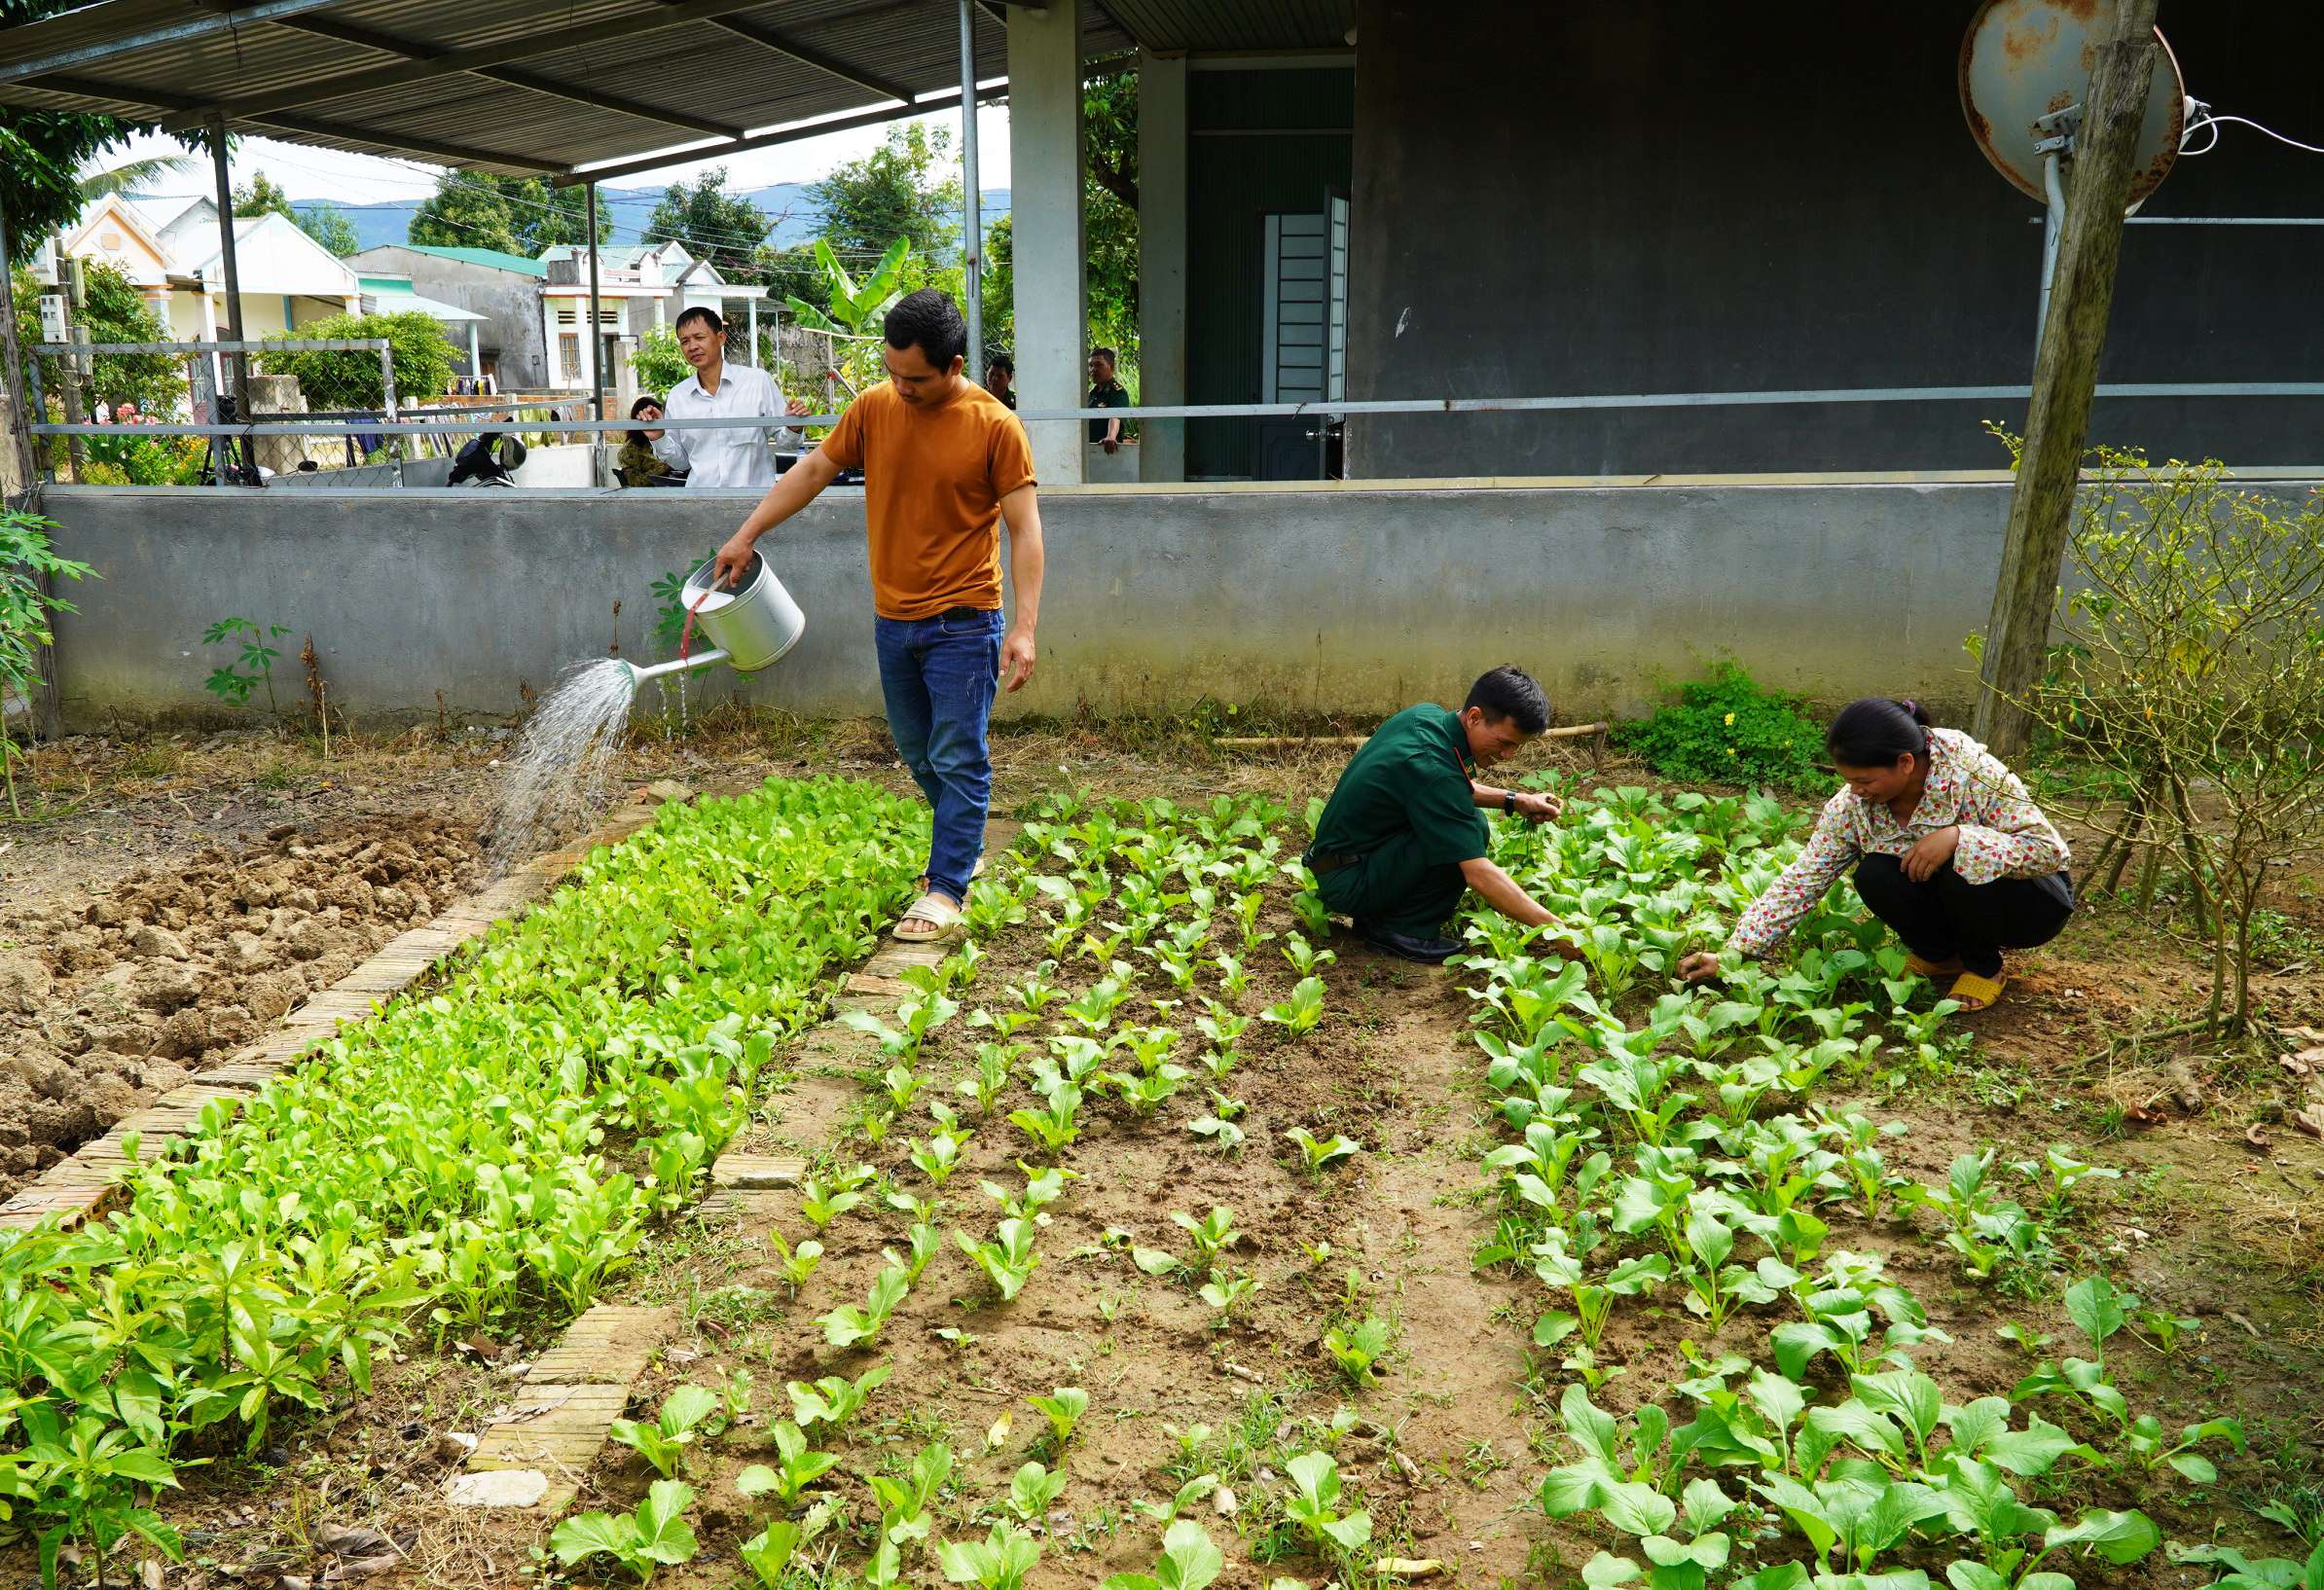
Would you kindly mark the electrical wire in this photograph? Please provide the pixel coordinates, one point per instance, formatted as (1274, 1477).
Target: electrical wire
(2208, 121)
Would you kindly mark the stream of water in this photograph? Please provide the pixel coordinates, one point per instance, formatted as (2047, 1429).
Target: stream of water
(555, 781)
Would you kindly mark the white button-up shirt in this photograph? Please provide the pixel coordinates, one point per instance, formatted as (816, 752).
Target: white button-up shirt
(733, 455)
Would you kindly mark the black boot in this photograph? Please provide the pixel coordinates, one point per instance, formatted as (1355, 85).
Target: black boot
(1429, 952)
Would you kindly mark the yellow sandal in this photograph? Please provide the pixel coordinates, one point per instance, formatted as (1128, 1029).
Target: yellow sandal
(1974, 992)
(1915, 966)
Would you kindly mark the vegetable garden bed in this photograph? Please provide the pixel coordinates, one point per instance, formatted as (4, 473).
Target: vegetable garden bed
(1151, 1237)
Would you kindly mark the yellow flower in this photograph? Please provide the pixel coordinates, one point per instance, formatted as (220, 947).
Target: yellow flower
(1730, 720)
(1730, 750)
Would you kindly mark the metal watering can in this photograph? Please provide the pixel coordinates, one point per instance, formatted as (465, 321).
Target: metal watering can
(750, 626)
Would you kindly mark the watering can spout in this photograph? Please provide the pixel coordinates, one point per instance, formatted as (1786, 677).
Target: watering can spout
(676, 664)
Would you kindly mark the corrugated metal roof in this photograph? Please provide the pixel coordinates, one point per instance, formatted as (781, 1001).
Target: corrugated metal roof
(503, 85)
(1236, 24)
(482, 256)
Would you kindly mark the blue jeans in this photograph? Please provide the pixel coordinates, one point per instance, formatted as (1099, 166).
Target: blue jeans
(939, 676)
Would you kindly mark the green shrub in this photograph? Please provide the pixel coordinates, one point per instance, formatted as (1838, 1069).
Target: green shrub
(1725, 727)
(338, 381)
(658, 362)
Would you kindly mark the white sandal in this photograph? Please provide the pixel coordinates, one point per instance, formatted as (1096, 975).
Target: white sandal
(928, 907)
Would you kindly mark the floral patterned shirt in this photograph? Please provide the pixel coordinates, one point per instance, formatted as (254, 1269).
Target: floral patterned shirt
(2003, 835)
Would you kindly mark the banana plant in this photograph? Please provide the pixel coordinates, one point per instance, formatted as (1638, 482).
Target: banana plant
(852, 310)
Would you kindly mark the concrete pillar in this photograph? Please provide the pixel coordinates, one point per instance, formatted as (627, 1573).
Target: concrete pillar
(1045, 133)
(1161, 261)
(475, 359)
(278, 395)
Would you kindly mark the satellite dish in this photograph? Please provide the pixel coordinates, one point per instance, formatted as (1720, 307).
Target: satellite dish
(2024, 59)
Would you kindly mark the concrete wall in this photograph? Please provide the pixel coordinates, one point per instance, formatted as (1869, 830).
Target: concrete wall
(510, 302)
(1676, 196)
(1315, 598)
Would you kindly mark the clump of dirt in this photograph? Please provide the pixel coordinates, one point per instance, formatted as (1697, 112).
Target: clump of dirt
(114, 998)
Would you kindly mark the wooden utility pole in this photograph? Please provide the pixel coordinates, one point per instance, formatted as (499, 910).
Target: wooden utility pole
(76, 402)
(11, 368)
(2066, 377)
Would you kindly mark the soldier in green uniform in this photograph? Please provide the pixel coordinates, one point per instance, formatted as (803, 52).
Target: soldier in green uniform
(1403, 834)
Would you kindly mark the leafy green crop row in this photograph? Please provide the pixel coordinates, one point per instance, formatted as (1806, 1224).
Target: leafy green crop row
(498, 1145)
(1652, 1162)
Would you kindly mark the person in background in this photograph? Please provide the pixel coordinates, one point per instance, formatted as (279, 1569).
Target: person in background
(1105, 392)
(731, 455)
(1001, 379)
(638, 463)
(1404, 835)
(943, 464)
(1949, 849)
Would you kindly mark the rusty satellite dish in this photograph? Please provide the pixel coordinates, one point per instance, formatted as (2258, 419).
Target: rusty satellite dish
(2024, 59)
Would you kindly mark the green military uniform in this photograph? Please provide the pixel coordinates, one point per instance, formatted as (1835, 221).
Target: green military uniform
(1402, 819)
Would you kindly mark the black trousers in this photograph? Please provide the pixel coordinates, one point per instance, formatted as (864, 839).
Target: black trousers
(1948, 915)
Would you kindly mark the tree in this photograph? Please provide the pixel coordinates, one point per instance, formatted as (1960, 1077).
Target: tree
(2185, 681)
(896, 191)
(42, 152)
(112, 310)
(658, 361)
(464, 212)
(328, 225)
(724, 228)
(131, 175)
(260, 196)
(516, 215)
(1109, 208)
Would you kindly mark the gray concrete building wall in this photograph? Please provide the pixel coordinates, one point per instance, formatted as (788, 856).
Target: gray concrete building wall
(1309, 598)
(509, 301)
(1669, 196)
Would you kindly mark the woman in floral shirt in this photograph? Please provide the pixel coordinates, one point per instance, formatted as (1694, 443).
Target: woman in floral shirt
(1949, 849)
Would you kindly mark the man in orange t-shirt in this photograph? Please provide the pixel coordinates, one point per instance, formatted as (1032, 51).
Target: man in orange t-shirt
(943, 464)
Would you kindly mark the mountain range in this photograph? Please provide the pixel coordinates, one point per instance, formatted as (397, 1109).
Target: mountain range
(785, 204)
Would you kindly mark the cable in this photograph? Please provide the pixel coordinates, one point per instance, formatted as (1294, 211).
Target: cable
(2246, 121)
(2205, 121)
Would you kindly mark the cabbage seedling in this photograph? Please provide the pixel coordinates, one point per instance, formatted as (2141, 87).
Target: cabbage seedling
(653, 1537)
(799, 1467)
(1189, 1560)
(664, 1442)
(833, 1400)
(1063, 1408)
(1316, 1155)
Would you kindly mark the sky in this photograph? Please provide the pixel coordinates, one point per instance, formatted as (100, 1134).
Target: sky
(306, 172)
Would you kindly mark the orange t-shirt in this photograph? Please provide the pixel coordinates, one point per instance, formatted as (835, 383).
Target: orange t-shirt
(932, 482)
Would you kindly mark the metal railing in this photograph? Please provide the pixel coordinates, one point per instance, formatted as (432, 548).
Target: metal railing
(502, 416)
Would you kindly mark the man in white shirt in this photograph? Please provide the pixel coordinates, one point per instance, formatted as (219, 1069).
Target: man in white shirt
(731, 455)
